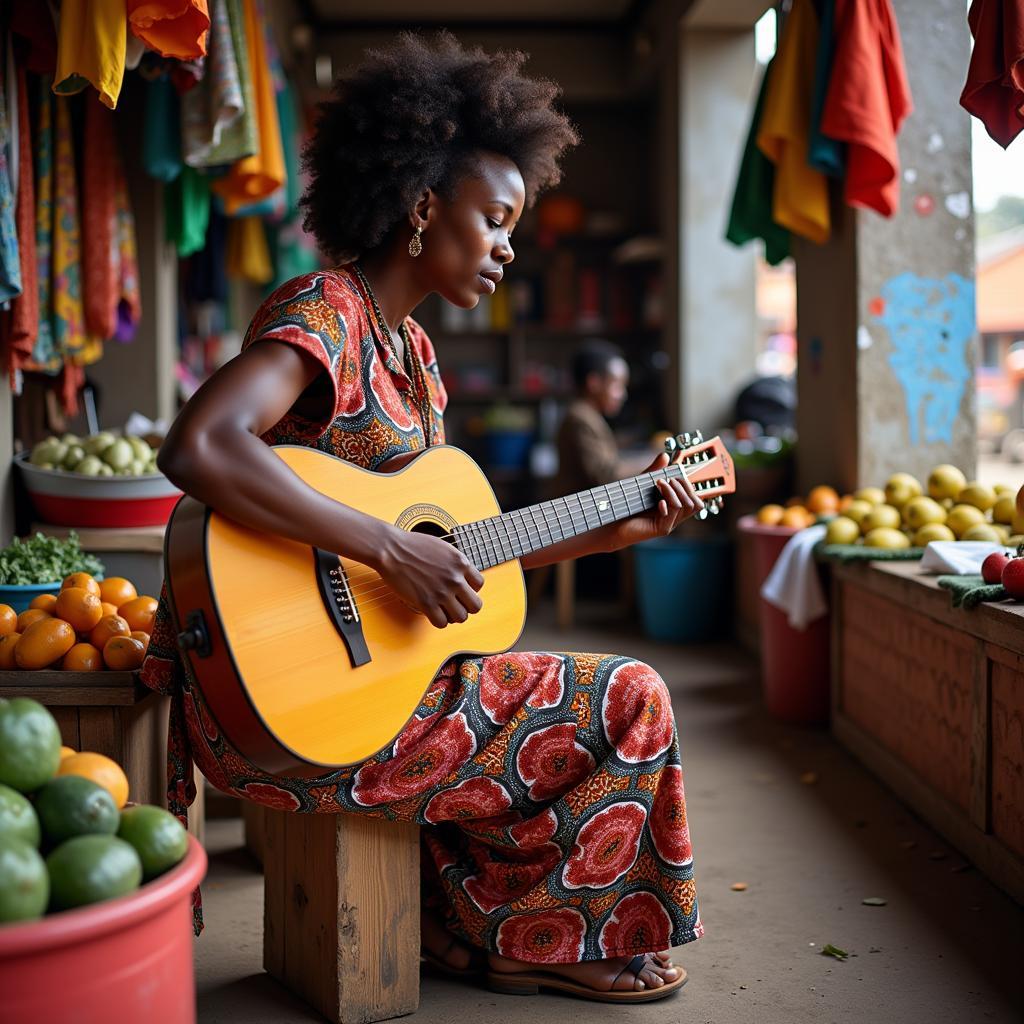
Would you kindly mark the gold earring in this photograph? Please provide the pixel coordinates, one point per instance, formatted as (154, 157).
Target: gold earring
(415, 245)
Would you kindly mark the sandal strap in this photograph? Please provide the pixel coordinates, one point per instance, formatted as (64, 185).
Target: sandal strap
(636, 965)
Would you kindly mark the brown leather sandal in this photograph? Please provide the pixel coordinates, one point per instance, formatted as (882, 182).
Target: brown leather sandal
(529, 983)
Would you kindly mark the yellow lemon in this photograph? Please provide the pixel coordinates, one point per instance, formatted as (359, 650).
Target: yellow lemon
(945, 481)
(921, 511)
(900, 488)
(881, 517)
(842, 530)
(872, 495)
(930, 532)
(1004, 509)
(885, 537)
(962, 517)
(857, 510)
(978, 495)
(982, 531)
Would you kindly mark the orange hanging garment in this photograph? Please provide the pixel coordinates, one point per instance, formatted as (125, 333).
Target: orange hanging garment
(800, 193)
(868, 98)
(174, 28)
(994, 91)
(258, 176)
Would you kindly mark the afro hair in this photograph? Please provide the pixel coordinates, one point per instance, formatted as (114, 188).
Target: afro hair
(411, 117)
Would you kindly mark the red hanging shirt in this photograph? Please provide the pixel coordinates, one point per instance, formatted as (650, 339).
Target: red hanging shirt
(994, 91)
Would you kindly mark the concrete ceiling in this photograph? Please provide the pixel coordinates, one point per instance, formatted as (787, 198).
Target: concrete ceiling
(325, 11)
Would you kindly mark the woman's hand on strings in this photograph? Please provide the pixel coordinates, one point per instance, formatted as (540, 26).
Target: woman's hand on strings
(679, 501)
(431, 576)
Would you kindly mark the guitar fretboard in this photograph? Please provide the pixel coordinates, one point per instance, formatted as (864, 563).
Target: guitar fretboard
(489, 542)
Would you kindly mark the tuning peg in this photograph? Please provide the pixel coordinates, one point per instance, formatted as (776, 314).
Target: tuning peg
(703, 513)
(685, 441)
(715, 506)
(698, 437)
(670, 445)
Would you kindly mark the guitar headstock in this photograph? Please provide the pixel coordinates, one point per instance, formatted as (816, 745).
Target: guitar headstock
(707, 464)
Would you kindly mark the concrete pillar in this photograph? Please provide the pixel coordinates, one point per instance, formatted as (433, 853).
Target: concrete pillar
(716, 310)
(885, 310)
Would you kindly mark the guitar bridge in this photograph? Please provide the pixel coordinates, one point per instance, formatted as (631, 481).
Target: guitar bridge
(341, 605)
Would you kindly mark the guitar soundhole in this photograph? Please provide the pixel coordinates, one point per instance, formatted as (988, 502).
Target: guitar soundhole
(432, 530)
(429, 519)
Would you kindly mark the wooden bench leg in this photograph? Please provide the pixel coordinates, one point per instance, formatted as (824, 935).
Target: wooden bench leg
(341, 913)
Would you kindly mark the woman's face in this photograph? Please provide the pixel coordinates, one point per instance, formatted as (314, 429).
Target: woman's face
(467, 238)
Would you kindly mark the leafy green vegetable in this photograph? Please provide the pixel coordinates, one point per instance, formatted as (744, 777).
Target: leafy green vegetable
(42, 559)
(829, 950)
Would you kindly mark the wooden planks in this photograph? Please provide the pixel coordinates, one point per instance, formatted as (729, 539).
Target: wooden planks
(931, 699)
(341, 913)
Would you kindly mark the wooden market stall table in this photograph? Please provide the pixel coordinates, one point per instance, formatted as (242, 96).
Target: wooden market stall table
(931, 699)
(111, 713)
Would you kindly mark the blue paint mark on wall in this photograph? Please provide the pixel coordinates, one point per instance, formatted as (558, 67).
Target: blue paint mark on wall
(930, 323)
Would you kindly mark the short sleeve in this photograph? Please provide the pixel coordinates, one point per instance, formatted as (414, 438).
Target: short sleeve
(438, 395)
(311, 313)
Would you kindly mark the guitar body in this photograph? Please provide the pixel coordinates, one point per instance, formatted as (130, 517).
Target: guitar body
(290, 690)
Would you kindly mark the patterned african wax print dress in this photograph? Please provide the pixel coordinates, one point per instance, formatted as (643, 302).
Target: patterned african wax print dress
(548, 785)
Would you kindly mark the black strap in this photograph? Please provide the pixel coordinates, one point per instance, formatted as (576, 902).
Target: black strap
(636, 965)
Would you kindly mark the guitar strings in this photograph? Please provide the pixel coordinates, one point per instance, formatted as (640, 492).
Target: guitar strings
(489, 546)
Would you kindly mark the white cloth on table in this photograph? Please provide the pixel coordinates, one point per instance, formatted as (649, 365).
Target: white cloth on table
(958, 557)
(793, 585)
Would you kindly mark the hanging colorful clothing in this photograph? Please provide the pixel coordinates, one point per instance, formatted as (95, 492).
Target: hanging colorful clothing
(45, 355)
(216, 103)
(800, 200)
(126, 263)
(91, 44)
(173, 28)
(750, 216)
(187, 211)
(868, 98)
(994, 91)
(548, 786)
(248, 254)
(10, 258)
(257, 176)
(99, 156)
(824, 154)
(161, 131)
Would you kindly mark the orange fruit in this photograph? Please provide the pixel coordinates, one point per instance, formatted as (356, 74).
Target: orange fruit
(83, 658)
(769, 515)
(101, 770)
(79, 607)
(67, 752)
(109, 626)
(43, 643)
(822, 499)
(30, 615)
(7, 642)
(83, 580)
(124, 653)
(45, 602)
(141, 636)
(794, 502)
(139, 613)
(117, 590)
(796, 517)
(8, 619)
(108, 608)
(845, 502)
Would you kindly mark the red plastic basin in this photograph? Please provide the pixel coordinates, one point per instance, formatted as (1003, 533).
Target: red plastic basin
(123, 961)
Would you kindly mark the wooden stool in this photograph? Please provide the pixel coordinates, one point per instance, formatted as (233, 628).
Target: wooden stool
(341, 912)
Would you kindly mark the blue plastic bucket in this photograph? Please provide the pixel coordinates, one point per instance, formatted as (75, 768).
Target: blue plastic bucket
(684, 588)
(20, 596)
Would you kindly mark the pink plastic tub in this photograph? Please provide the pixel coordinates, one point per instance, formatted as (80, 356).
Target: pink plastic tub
(123, 961)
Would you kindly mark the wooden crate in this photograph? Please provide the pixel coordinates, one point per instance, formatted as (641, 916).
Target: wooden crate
(931, 699)
(111, 713)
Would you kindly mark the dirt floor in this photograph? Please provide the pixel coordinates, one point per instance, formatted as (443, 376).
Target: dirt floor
(782, 809)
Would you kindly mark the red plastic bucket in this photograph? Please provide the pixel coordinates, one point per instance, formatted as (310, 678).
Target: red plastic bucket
(123, 961)
(794, 663)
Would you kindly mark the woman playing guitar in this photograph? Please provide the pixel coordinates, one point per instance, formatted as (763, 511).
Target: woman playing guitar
(419, 169)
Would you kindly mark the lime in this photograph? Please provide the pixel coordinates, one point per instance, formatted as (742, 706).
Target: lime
(24, 885)
(71, 805)
(29, 744)
(88, 869)
(18, 817)
(159, 838)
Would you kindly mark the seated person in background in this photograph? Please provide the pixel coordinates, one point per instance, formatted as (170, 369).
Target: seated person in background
(588, 454)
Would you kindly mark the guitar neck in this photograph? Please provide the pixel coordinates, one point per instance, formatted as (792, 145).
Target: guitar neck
(489, 542)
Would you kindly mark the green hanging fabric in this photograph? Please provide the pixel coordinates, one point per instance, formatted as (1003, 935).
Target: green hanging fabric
(751, 213)
(187, 211)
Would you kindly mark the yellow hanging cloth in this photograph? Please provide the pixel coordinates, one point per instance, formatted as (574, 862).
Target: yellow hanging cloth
(800, 198)
(248, 255)
(257, 176)
(91, 41)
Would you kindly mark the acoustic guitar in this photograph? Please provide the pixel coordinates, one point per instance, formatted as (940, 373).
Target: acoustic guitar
(308, 661)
